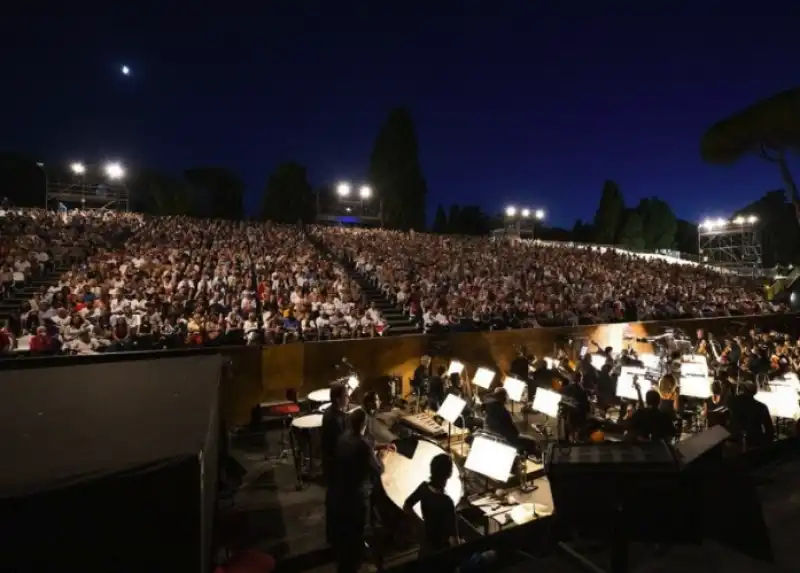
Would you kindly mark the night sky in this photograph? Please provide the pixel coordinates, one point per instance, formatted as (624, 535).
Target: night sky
(530, 102)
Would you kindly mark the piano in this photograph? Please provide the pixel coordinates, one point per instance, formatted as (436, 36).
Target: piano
(424, 424)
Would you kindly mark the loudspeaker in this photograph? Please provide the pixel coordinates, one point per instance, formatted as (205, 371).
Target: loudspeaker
(703, 447)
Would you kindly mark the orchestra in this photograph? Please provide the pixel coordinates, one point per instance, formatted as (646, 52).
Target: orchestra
(665, 406)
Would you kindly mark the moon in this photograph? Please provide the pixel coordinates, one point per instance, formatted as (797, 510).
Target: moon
(126, 71)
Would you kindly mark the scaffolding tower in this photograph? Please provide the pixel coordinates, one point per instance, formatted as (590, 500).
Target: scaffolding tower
(733, 245)
(84, 195)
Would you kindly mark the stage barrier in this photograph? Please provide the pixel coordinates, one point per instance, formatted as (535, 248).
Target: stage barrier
(309, 366)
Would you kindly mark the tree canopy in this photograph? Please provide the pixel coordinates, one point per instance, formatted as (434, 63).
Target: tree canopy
(219, 192)
(769, 128)
(288, 196)
(395, 173)
(609, 215)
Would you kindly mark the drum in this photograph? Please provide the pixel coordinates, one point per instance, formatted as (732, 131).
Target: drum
(402, 475)
(306, 433)
(321, 396)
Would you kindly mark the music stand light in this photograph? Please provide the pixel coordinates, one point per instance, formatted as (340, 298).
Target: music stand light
(625, 388)
(695, 386)
(455, 367)
(547, 402)
(491, 458)
(352, 383)
(514, 387)
(552, 363)
(781, 403)
(483, 378)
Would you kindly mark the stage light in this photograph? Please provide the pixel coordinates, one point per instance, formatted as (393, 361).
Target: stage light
(511, 211)
(78, 168)
(455, 367)
(539, 214)
(365, 192)
(115, 171)
(491, 458)
(625, 387)
(483, 378)
(547, 402)
(514, 387)
(526, 213)
(343, 190)
(451, 408)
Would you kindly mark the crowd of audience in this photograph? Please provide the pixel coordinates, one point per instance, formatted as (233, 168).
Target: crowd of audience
(136, 282)
(448, 282)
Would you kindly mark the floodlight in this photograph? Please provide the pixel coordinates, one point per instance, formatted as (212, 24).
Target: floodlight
(514, 387)
(525, 213)
(115, 171)
(738, 221)
(365, 192)
(650, 361)
(511, 211)
(547, 402)
(540, 214)
(720, 223)
(455, 367)
(625, 387)
(696, 386)
(781, 403)
(352, 382)
(694, 369)
(598, 360)
(483, 378)
(451, 408)
(78, 168)
(752, 219)
(343, 189)
(491, 458)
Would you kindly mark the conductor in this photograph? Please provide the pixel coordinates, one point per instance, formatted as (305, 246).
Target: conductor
(347, 503)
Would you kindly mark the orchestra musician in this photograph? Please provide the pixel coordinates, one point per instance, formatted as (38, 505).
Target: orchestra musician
(715, 408)
(436, 389)
(499, 421)
(333, 426)
(577, 415)
(750, 419)
(440, 525)
(650, 422)
(355, 469)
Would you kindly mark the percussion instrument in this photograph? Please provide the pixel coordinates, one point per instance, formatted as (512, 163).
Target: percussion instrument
(321, 396)
(306, 433)
(402, 476)
(430, 428)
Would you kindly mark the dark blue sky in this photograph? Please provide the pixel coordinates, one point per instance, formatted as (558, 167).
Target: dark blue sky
(520, 101)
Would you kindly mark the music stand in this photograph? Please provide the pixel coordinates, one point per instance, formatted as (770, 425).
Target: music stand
(625, 387)
(650, 361)
(455, 367)
(451, 410)
(781, 403)
(490, 458)
(514, 387)
(695, 369)
(598, 361)
(483, 378)
(695, 387)
(547, 402)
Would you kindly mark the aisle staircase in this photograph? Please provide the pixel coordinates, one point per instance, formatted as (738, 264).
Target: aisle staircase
(392, 314)
(21, 293)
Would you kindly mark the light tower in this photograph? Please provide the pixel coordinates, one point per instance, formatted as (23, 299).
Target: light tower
(733, 244)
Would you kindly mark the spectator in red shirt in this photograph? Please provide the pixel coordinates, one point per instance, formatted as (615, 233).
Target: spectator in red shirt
(42, 341)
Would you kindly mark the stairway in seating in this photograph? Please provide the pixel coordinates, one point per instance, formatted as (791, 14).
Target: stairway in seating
(22, 293)
(392, 314)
